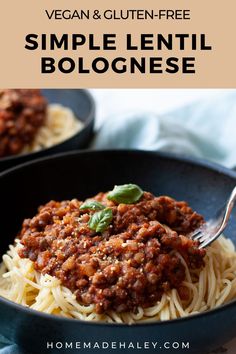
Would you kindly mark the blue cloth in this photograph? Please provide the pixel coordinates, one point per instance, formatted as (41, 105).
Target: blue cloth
(204, 129)
(6, 347)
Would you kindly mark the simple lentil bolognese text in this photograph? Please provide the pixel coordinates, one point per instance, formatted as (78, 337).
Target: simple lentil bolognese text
(122, 256)
(28, 123)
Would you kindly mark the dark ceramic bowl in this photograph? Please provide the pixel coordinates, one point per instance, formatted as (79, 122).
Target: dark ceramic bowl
(83, 106)
(82, 174)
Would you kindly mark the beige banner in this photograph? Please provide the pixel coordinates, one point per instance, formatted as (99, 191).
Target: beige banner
(143, 20)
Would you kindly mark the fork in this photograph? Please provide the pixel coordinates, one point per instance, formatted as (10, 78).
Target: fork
(214, 227)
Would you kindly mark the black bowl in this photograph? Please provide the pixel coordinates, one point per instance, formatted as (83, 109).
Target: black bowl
(83, 106)
(204, 185)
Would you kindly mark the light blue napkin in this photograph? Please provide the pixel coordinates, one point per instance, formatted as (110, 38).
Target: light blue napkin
(204, 129)
(6, 347)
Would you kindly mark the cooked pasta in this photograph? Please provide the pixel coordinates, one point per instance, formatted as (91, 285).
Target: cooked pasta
(212, 286)
(125, 256)
(60, 125)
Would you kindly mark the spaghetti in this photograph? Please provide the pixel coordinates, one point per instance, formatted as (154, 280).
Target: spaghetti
(60, 124)
(212, 286)
(122, 257)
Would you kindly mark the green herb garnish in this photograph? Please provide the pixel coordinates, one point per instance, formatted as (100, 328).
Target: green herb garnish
(126, 194)
(92, 205)
(100, 220)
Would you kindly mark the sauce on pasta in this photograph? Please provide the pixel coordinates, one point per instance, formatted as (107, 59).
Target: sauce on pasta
(130, 263)
(121, 257)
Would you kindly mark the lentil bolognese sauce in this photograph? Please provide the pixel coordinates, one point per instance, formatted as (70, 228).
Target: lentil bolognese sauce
(121, 256)
(28, 123)
(129, 264)
(22, 113)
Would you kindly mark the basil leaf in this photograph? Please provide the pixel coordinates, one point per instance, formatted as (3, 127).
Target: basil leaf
(126, 194)
(92, 205)
(100, 220)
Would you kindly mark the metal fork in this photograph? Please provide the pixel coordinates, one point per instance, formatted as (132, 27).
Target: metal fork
(214, 227)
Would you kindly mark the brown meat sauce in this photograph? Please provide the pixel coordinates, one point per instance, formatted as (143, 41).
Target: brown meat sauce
(22, 113)
(130, 264)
